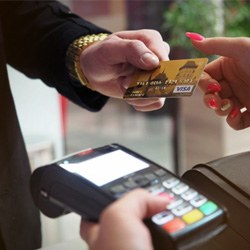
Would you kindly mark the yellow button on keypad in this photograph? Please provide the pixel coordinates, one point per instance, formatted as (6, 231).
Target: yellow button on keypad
(192, 216)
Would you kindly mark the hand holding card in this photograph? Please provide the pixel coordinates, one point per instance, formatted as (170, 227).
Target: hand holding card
(175, 78)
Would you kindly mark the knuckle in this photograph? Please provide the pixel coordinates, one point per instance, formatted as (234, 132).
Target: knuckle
(134, 45)
(104, 50)
(152, 33)
(167, 47)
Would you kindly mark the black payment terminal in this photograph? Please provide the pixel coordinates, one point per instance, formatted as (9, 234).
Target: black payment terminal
(88, 181)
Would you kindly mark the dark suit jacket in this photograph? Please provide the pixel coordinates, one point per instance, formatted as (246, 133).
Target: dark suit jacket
(33, 39)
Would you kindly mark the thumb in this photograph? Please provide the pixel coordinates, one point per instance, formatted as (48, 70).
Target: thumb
(134, 52)
(143, 204)
(139, 55)
(222, 46)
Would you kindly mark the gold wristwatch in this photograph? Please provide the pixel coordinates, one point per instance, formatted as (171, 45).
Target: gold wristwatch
(73, 56)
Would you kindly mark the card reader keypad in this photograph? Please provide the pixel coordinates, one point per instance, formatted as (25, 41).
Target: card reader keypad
(186, 207)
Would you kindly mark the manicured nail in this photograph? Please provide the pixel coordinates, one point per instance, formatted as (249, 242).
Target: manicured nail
(212, 104)
(234, 112)
(225, 105)
(213, 87)
(149, 58)
(166, 196)
(195, 36)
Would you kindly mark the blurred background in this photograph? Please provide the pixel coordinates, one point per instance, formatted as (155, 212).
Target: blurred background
(180, 135)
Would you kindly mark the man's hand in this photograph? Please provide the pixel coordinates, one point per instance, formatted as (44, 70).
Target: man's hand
(109, 64)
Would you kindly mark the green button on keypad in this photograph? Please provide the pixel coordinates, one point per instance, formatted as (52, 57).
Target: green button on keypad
(208, 208)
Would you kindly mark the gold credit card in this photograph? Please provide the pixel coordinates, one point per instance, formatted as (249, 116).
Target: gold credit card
(175, 78)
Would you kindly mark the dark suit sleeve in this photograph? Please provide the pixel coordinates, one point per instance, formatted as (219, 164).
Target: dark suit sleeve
(36, 37)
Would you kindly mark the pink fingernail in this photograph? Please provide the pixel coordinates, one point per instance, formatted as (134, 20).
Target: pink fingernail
(195, 36)
(212, 104)
(213, 87)
(235, 111)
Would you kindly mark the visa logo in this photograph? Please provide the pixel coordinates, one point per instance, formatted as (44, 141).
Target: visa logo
(183, 89)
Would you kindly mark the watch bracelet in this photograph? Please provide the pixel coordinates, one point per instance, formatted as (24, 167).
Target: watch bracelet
(73, 56)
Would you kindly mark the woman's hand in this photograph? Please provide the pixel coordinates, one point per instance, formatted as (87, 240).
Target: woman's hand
(226, 81)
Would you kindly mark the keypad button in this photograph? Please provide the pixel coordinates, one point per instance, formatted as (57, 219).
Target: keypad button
(174, 225)
(198, 200)
(180, 188)
(193, 216)
(130, 184)
(141, 181)
(160, 172)
(162, 217)
(208, 208)
(189, 194)
(175, 203)
(182, 209)
(171, 182)
(150, 176)
(156, 189)
(118, 189)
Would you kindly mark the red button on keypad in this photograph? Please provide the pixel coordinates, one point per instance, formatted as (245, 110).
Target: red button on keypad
(175, 225)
